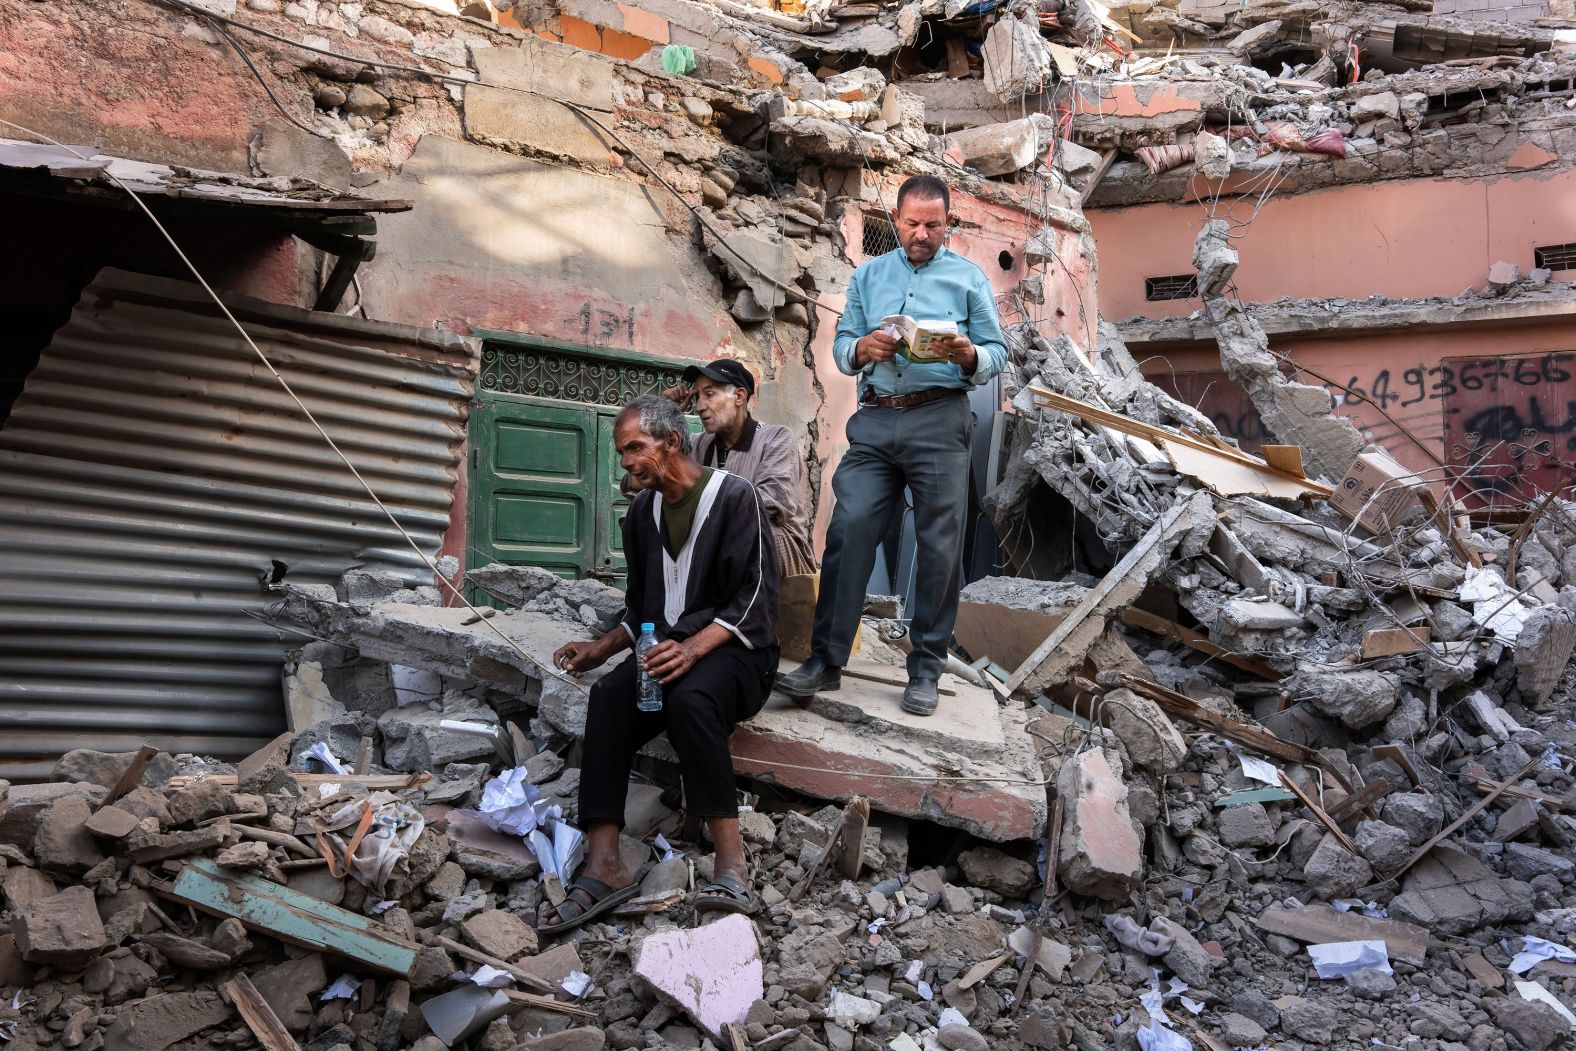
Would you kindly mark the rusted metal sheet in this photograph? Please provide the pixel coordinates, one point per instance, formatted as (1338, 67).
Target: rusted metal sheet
(154, 473)
(1510, 425)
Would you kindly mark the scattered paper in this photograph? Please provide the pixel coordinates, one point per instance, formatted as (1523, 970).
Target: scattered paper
(1494, 605)
(487, 977)
(1339, 959)
(925, 992)
(1193, 1006)
(558, 854)
(383, 906)
(1158, 1034)
(1259, 770)
(321, 753)
(342, 989)
(512, 805)
(576, 983)
(1535, 950)
(1534, 991)
(951, 1016)
(668, 853)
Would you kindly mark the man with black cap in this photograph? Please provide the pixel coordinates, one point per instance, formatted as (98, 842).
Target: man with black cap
(763, 454)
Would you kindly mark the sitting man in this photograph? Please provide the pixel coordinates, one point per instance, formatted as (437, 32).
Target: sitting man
(702, 568)
(763, 454)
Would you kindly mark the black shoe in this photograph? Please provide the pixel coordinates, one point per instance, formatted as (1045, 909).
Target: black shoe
(810, 678)
(920, 697)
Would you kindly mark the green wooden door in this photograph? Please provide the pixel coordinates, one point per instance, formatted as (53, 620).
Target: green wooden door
(535, 490)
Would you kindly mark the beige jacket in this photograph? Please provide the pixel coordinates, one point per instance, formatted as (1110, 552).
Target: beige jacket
(767, 456)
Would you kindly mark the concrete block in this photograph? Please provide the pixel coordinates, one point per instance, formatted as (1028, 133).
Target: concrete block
(499, 934)
(64, 930)
(284, 149)
(565, 72)
(997, 149)
(1101, 852)
(511, 120)
(63, 841)
(713, 973)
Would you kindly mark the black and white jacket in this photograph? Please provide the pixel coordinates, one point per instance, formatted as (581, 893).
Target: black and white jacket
(726, 573)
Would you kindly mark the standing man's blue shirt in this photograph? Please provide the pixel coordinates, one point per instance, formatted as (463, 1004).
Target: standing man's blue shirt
(947, 288)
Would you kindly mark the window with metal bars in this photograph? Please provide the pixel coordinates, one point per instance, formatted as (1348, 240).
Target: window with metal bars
(1555, 257)
(879, 237)
(1177, 286)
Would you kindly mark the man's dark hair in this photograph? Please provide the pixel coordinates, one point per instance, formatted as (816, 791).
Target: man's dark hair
(659, 418)
(926, 188)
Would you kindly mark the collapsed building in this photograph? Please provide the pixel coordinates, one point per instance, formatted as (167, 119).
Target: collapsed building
(1259, 728)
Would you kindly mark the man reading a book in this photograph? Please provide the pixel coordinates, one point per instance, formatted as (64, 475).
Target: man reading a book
(913, 429)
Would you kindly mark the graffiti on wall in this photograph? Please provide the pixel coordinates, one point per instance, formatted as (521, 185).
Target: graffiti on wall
(1506, 425)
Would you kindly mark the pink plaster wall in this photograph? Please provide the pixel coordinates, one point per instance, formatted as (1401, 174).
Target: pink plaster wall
(1413, 239)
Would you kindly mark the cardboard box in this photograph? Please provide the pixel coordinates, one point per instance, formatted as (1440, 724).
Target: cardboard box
(1377, 492)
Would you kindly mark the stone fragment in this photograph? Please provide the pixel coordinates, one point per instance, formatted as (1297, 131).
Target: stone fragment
(1384, 845)
(146, 847)
(142, 803)
(1187, 959)
(1431, 1019)
(956, 900)
(187, 952)
(1150, 737)
(713, 973)
(990, 869)
(1248, 825)
(64, 930)
(1334, 872)
(365, 102)
(253, 773)
(816, 948)
(1309, 1020)
(1528, 863)
(1359, 699)
(1370, 984)
(111, 822)
(246, 856)
(1537, 1025)
(1451, 892)
(1241, 1031)
(498, 933)
(1503, 274)
(25, 805)
(962, 1038)
(582, 1039)
(63, 841)
(1372, 107)
(1418, 814)
(165, 1019)
(1052, 958)
(21, 885)
(997, 149)
(291, 987)
(106, 768)
(200, 801)
(413, 740)
(1101, 854)
(1543, 650)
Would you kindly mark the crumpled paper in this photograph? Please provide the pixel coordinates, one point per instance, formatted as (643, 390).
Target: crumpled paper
(512, 806)
(1339, 959)
(1494, 605)
(1158, 1034)
(1535, 950)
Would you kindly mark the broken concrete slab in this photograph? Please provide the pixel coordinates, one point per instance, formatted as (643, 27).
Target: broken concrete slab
(159, 1021)
(1317, 924)
(713, 973)
(414, 738)
(1454, 893)
(997, 149)
(993, 796)
(63, 841)
(1101, 850)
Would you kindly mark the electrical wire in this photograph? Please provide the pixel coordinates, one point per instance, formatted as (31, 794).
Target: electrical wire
(301, 405)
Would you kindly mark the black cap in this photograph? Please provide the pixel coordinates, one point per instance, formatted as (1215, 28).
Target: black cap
(723, 370)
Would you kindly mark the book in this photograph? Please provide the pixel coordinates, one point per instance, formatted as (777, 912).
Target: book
(916, 337)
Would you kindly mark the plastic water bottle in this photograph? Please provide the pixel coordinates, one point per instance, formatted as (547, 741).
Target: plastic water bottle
(649, 690)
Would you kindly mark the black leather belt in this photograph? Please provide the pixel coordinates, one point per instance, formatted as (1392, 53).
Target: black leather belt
(908, 401)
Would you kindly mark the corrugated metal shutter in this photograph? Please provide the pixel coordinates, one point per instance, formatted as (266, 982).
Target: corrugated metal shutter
(152, 470)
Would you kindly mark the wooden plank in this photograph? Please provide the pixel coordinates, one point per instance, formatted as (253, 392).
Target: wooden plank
(1318, 812)
(1196, 640)
(258, 1016)
(1006, 635)
(128, 780)
(1245, 734)
(1287, 458)
(1366, 796)
(957, 58)
(1317, 924)
(1388, 642)
(856, 818)
(1471, 812)
(981, 971)
(291, 916)
(1086, 621)
(311, 781)
(547, 1003)
(821, 862)
(1138, 429)
(890, 680)
(1255, 795)
(519, 974)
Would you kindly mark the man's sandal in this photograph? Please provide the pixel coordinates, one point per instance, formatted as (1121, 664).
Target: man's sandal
(589, 898)
(727, 894)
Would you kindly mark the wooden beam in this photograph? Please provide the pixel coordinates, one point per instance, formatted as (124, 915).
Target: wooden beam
(1085, 622)
(856, 818)
(290, 916)
(548, 1003)
(133, 774)
(258, 1016)
(1196, 640)
(1471, 812)
(1369, 794)
(1320, 923)
(519, 974)
(1318, 812)
(311, 781)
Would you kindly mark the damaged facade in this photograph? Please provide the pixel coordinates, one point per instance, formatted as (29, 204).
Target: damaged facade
(1260, 734)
